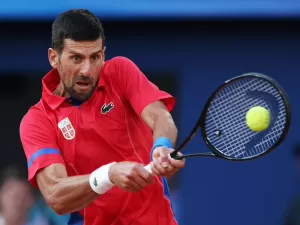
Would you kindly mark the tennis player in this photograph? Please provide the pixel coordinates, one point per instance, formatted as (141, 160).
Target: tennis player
(96, 126)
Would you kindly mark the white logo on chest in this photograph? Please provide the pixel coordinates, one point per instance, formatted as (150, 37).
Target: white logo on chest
(67, 128)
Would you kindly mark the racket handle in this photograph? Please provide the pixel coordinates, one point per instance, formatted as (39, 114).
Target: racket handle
(148, 168)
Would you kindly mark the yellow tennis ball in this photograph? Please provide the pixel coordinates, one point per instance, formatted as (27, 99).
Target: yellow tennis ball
(258, 118)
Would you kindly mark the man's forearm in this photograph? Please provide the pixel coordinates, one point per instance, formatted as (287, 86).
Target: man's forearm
(164, 131)
(164, 126)
(71, 194)
(160, 121)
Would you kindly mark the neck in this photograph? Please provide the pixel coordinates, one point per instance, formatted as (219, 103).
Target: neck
(61, 91)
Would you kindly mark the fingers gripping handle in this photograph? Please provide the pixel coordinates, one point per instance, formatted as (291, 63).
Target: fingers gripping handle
(148, 168)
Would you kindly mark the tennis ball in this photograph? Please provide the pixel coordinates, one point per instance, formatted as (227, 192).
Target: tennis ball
(258, 118)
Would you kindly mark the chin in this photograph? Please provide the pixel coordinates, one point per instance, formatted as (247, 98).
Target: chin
(82, 96)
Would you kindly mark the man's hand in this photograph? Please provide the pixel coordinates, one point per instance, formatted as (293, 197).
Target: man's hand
(163, 165)
(130, 176)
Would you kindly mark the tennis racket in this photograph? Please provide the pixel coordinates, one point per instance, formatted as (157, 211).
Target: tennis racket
(222, 122)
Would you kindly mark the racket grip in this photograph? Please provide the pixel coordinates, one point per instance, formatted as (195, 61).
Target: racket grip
(148, 168)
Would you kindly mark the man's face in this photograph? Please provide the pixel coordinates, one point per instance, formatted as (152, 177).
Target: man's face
(79, 65)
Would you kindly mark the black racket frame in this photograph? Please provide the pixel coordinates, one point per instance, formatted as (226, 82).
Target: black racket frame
(200, 125)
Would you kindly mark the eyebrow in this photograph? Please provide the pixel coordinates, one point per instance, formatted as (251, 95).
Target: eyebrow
(77, 53)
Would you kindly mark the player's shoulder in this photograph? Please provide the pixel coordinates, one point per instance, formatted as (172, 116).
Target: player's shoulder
(119, 60)
(116, 63)
(117, 68)
(114, 70)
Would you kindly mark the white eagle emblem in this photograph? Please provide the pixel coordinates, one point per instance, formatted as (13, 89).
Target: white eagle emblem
(67, 128)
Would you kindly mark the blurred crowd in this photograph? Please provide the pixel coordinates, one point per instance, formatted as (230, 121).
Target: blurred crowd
(20, 204)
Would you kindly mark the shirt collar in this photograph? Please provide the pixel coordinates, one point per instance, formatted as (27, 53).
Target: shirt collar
(49, 83)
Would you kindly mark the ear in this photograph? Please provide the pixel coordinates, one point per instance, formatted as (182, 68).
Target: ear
(53, 58)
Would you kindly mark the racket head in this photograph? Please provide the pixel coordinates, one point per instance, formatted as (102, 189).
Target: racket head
(235, 97)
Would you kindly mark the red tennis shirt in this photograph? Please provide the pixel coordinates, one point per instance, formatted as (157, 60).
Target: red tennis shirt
(105, 128)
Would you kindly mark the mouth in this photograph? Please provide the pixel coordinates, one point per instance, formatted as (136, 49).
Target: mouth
(82, 84)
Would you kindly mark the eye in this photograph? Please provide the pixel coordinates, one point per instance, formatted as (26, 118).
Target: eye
(76, 57)
(95, 57)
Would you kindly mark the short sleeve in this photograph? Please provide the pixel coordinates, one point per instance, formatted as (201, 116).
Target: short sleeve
(38, 139)
(137, 89)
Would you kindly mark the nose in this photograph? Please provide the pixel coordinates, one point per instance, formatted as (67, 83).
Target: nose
(86, 68)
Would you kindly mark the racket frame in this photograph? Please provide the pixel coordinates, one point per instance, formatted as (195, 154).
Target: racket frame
(200, 125)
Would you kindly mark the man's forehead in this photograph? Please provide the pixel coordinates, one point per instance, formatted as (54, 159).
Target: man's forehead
(82, 46)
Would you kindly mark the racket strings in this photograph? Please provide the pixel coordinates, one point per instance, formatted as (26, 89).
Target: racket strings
(225, 122)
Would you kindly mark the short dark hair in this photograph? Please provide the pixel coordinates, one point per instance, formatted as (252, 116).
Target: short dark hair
(77, 25)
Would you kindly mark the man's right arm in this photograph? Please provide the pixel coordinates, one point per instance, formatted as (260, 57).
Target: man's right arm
(68, 194)
(46, 166)
(62, 193)
(46, 170)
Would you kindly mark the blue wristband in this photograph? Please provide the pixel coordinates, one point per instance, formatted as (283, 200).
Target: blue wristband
(161, 141)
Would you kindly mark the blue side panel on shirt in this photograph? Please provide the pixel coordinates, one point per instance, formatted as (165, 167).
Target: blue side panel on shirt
(167, 192)
(75, 219)
(44, 151)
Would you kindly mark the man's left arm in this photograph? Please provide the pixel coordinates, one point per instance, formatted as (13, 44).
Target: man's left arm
(159, 119)
(154, 107)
